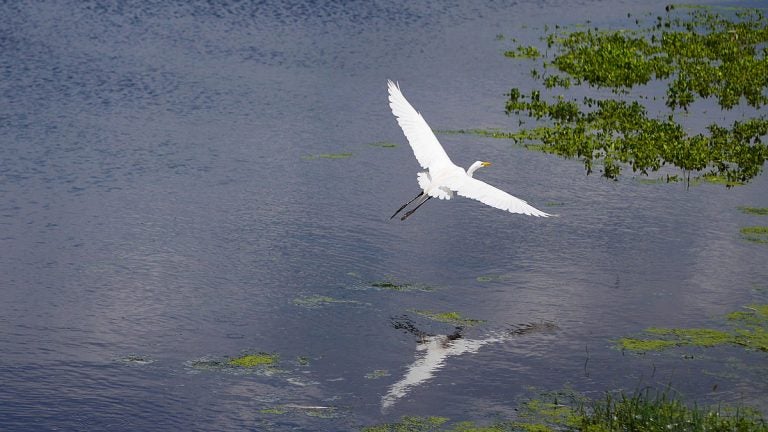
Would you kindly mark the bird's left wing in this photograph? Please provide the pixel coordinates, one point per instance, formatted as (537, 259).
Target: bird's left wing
(469, 187)
(424, 143)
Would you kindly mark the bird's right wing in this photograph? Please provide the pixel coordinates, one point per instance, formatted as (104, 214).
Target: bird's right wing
(424, 143)
(469, 187)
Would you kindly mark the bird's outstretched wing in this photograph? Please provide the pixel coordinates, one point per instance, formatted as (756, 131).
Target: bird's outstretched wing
(469, 187)
(424, 143)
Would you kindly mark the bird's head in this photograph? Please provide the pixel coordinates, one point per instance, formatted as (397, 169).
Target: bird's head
(479, 164)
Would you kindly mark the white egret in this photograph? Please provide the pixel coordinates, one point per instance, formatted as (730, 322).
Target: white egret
(443, 179)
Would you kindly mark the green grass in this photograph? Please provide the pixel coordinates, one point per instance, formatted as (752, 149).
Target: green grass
(643, 411)
(651, 411)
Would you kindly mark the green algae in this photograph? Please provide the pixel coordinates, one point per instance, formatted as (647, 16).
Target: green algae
(454, 318)
(755, 211)
(273, 411)
(748, 329)
(701, 337)
(645, 345)
(755, 234)
(697, 54)
(260, 359)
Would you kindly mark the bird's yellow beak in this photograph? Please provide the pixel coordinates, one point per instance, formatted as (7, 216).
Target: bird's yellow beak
(485, 164)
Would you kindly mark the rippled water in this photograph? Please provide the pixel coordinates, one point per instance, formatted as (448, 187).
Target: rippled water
(165, 205)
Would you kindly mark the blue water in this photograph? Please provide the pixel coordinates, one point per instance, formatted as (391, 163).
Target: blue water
(165, 206)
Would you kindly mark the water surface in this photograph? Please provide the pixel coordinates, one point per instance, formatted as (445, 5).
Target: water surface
(163, 206)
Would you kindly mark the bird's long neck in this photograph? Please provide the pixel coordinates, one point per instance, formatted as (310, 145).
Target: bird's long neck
(472, 168)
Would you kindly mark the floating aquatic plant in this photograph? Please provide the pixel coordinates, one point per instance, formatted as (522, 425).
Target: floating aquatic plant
(756, 234)
(756, 211)
(454, 318)
(274, 411)
(410, 424)
(748, 329)
(260, 359)
(394, 285)
(697, 55)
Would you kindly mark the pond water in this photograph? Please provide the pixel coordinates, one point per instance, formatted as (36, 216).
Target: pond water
(185, 183)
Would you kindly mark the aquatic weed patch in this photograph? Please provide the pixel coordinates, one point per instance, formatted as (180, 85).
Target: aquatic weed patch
(755, 234)
(697, 54)
(394, 285)
(748, 329)
(755, 211)
(260, 359)
(388, 283)
(249, 362)
(454, 318)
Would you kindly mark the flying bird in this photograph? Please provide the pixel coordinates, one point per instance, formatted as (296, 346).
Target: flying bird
(442, 178)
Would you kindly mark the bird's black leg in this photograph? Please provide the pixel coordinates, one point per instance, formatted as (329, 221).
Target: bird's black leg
(408, 213)
(406, 204)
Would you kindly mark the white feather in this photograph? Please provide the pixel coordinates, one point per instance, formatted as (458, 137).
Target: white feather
(444, 178)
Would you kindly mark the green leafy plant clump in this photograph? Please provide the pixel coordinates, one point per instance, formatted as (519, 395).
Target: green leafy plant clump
(697, 55)
(748, 329)
(260, 359)
(756, 234)
(454, 318)
(755, 211)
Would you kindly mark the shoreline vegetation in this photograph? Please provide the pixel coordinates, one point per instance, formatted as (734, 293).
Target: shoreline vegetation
(646, 410)
(697, 54)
